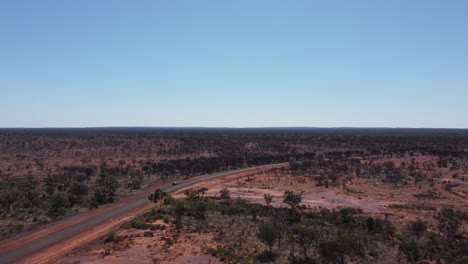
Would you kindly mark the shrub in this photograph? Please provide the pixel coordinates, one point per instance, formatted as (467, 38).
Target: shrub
(165, 218)
(138, 224)
(111, 236)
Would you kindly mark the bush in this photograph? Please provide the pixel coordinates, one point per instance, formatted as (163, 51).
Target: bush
(138, 224)
(60, 201)
(169, 242)
(19, 227)
(111, 236)
(221, 252)
(165, 218)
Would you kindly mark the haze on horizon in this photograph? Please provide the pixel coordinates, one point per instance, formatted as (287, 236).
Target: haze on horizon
(234, 63)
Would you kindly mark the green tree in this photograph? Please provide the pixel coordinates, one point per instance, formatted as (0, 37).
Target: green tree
(197, 194)
(254, 210)
(179, 211)
(375, 170)
(225, 195)
(77, 191)
(417, 228)
(411, 248)
(370, 224)
(158, 196)
(268, 199)
(121, 163)
(267, 234)
(449, 221)
(8, 197)
(136, 179)
(336, 249)
(200, 210)
(347, 214)
(105, 189)
(293, 199)
(304, 236)
(280, 221)
(60, 201)
(100, 195)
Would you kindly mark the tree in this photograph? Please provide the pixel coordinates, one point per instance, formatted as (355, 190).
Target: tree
(411, 248)
(328, 250)
(225, 195)
(136, 179)
(100, 195)
(347, 214)
(7, 198)
(375, 170)
(293, 199)
(76, 192)
(337, 248)
(370, 224)
(464, 164)
(280, 221)
(60, 201)
(200, 210)
(268, 199)
(121, 163)
(105, 190)
(304, 236)
(197, 194)
(254, 210)
(449, 221)
(267, 234)
(417, 228)
(158, 196)
(179, 211)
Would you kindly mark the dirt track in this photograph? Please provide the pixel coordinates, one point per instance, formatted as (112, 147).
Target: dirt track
(48, 243)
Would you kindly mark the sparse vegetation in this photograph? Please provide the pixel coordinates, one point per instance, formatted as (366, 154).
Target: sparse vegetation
(60, 173)
(323, 236)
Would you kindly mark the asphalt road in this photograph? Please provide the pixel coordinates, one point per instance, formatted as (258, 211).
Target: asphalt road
(36, 242)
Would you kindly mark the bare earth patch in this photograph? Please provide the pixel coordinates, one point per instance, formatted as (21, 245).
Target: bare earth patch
(378, 200)
(184, 247)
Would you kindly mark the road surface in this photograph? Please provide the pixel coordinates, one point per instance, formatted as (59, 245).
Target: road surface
(48, 243)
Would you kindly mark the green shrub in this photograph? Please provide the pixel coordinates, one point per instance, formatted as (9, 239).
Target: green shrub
(111, 236)
(166, 218)
(138, 224)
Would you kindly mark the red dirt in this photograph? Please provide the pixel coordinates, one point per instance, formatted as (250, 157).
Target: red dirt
(52, 253)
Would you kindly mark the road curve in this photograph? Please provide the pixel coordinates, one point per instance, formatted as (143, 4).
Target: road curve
(57, 239)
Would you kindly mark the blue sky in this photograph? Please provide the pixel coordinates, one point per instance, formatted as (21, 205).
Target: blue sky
(234, 63)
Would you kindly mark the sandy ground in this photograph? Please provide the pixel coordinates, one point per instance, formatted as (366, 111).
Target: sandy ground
(373, 200)
(136, 248)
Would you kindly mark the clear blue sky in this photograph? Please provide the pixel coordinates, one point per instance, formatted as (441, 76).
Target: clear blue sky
(236, 63)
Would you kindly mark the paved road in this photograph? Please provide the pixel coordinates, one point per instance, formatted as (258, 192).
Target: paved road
(13, 250)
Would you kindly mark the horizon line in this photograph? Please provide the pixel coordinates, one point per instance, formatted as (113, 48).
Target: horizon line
(234, 127)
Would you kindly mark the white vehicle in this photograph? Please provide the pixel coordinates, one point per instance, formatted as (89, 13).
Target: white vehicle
(174, 183)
